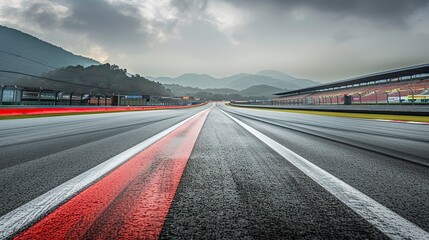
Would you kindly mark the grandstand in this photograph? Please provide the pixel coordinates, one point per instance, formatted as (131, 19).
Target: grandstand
(408, 85)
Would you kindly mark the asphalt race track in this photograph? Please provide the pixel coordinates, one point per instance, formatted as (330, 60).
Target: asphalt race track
(215, 172)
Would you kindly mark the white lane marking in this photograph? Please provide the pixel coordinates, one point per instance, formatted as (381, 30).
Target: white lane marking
(401, 121)
(27, 214)
(387, 221)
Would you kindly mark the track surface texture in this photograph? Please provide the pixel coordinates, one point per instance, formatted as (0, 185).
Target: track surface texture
(234, 185)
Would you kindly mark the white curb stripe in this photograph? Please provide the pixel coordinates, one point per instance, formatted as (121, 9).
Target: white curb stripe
(401, 121)
(387, 221)
(20, 218)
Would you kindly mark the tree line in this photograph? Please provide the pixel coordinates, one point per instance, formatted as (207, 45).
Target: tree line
(105, 78)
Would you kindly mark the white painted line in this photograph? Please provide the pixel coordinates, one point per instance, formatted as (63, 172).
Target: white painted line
(387, 221)
(421, 123)
(401, 121)
(22, 217)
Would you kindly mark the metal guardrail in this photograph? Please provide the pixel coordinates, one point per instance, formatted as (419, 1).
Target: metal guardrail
(417, 110)
(22, 96)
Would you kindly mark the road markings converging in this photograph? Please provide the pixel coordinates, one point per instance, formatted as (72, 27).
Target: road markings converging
(134, 161)
(384, 219)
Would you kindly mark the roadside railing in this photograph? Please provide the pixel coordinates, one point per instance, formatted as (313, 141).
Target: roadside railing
(25, 96)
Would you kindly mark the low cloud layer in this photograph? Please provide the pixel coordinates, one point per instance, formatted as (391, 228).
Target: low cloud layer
(324, 40)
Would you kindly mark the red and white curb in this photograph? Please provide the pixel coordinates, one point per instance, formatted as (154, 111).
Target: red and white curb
(70, 209)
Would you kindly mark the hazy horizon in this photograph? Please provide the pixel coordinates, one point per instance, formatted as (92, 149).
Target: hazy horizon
(220, 76)
(323, 41)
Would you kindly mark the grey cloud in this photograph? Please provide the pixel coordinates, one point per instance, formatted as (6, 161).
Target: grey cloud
(187, 5)
(198, 35)
(344, 36)
(104, 23)
(384, 11)
(42, 13)
(313, 39)
(107, 23)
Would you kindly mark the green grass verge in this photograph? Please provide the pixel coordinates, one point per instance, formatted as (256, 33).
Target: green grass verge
(349, 115)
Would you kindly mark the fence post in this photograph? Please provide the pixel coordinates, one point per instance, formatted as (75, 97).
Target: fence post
(14, 95)
(40, 94)
(71, 98)
(56, 98)
(1, 96)
(399, 92)
(81, 99)
(426, 100)
(387, 98)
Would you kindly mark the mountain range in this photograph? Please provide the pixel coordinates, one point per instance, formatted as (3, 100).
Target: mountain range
(239, 81)
(24, 53)
(263, 91)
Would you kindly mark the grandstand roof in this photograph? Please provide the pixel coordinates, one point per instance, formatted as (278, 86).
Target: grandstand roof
(406, 71)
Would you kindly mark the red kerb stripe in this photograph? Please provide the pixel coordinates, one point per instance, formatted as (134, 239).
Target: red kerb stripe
(131, 201)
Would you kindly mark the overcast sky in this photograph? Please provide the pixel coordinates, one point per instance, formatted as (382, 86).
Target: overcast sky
(323, 40)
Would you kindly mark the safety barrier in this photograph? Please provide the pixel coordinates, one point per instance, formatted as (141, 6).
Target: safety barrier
(19, 111)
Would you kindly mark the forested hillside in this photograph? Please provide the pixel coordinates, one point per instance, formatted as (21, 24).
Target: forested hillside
(22, 52)
(99, 78)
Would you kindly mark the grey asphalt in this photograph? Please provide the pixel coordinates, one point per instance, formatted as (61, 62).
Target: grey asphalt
(234, 186)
